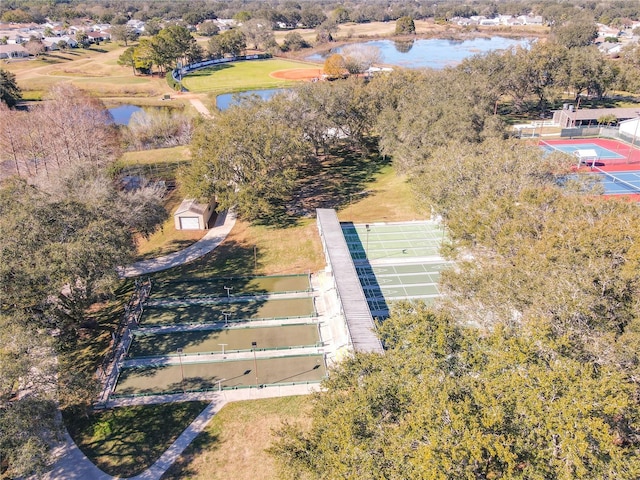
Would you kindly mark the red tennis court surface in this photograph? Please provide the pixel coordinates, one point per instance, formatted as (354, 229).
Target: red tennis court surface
(614, 156)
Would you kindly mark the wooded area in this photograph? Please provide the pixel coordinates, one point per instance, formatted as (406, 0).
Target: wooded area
(527, 368)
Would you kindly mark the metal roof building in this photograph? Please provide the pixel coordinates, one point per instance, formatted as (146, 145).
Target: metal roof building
(353, 302)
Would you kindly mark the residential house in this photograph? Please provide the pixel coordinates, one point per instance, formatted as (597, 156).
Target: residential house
(13, 51)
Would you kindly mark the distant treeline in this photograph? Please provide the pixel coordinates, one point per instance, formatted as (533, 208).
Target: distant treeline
(288, 14)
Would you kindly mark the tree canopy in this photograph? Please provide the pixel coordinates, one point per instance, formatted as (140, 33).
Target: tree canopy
(10, 92)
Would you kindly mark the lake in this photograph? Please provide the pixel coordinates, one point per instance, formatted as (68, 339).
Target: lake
(226, 100)
(431, 53)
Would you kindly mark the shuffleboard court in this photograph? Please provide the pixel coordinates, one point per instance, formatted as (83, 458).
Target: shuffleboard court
(210, 341)
(215, 312)
(238, 286)
(231, 374)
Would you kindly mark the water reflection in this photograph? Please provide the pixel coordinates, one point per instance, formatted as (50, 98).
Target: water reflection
(403, 46)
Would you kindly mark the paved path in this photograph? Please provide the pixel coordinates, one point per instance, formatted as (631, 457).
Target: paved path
(74, 465)
(199, 106)
(213, 238)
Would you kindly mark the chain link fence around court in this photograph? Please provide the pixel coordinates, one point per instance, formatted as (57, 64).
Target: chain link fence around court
(597, 131)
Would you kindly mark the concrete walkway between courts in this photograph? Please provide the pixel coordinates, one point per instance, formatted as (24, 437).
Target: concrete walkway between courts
(213, 238)
(74, 465)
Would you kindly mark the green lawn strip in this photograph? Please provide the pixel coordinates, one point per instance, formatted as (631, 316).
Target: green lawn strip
(215, 312)
(239, 286)
(209, 341)
(232, 374)
(233, 444)
(127, 440)
(241, 76)
(277, 250)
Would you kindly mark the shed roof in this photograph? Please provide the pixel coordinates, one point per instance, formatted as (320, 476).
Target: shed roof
(190, 205)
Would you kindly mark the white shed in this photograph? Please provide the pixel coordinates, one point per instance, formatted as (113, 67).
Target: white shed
(630, 128)
(192, 215)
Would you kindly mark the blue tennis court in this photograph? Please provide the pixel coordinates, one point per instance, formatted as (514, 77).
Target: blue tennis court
(603, 153)
(617, 183)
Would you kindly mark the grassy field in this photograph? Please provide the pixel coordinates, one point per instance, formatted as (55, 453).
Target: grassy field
(125, 441)
(241, 76)
(94, 69)
(211, 313)
(233, 445)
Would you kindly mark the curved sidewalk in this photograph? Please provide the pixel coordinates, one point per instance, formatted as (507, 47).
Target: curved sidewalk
(73, 464)
(224, 223)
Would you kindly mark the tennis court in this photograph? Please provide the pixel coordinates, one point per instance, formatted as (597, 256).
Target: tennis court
(393, 241)
(396, 261)
(618, 183)
(236, 286)
(233, 339)
(163, 379)
(601, 152)
(609, 152)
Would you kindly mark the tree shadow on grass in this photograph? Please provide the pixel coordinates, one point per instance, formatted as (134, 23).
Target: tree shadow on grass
(229, 259)
(128, 440)
(336, 180)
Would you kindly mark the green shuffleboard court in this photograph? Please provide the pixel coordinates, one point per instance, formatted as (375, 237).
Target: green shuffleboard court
(238, 286)
(236, 311)
(231, 374)
(233, 339)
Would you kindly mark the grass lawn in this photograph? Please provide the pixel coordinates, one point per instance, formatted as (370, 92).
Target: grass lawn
(233, 445)
(387, 198)
(241, 76)
(127, 440)
(94, 69)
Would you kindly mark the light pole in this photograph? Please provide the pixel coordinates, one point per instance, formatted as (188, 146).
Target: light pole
(367, 249)
(223, 345)
(255, 257)
(181, 370)
(255, 361)
(226, 318)
(219, 382)
(228, 289)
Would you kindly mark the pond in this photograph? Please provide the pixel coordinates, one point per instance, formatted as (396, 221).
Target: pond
(226, 100)
(431, 53)
(123, 113)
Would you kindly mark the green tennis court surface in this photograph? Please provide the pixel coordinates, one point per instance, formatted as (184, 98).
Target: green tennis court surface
(396, 261)
(212, 313)
(211, 341)
(393, 241)
(237, 286)
(232, 374)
